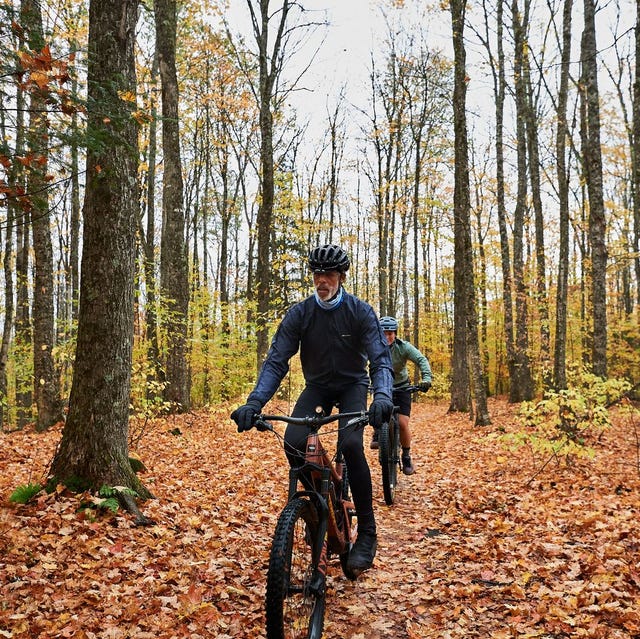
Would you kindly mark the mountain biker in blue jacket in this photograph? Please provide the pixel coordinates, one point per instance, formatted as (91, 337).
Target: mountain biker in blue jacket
(401, 353)
(337, 334)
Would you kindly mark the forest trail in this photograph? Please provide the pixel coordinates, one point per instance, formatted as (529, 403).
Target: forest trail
(477, 545)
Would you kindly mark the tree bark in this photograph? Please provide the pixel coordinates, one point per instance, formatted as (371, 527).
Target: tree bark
(560, 347)
(45, 378)
(268, 75)
(94, 446)
(541, 296)
(148, 235)
(636, 161)
(592, 155)
(174, 274)
(499, 88)
(460, 388)
(466, 351)
(521, 387)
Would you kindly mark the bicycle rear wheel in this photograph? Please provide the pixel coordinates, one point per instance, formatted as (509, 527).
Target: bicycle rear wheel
(295, 598)
(389, 439)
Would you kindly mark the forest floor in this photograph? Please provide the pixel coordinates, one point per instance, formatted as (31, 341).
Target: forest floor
(482, 542)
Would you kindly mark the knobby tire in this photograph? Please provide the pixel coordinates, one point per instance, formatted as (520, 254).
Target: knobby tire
(292, 610)
(388, 439)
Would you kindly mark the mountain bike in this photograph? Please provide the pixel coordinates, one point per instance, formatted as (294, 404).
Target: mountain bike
(317, 522)
(390, 453)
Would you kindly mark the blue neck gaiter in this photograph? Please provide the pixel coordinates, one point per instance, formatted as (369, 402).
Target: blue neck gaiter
(331, 304)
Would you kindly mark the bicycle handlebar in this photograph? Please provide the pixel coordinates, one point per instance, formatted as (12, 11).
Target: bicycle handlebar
(411, 389)
(261, 422)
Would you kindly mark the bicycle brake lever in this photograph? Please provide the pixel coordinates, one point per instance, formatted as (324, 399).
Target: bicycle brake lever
(360, 420)
(263, 426)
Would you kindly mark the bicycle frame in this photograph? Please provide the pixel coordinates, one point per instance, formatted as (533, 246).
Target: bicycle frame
(326, 476)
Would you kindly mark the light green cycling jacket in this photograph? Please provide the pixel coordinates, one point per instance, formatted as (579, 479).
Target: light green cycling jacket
(403, 352)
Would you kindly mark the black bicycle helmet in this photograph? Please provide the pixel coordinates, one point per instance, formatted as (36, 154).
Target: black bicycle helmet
(389, 323)
(329, 257)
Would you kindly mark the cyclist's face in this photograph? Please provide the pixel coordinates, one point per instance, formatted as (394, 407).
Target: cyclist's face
(327, 284)
(391, 336)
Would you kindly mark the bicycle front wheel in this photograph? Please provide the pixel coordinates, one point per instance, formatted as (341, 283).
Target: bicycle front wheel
(295, 598)
(389, 440)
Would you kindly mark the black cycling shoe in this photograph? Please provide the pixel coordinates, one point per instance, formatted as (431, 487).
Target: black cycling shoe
(407, 466)
(362, 553)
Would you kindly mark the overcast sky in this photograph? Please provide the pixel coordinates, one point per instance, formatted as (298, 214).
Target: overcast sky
(355, 29)
(343, 57)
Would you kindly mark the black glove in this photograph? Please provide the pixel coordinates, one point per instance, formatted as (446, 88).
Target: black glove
(244, 415)
(380, 412)
(424, 386)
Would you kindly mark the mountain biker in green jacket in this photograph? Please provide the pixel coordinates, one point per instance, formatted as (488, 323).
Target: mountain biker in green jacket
(401, 353)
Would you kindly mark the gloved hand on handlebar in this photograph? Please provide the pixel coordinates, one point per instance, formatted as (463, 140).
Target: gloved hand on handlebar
(424, 386)
(244, 415)
(380, 411)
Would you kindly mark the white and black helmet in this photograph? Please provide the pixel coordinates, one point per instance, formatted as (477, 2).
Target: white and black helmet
(389, 323)
(329, 257)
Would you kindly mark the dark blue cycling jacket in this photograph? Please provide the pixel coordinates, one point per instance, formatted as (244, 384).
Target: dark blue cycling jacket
(335, 345)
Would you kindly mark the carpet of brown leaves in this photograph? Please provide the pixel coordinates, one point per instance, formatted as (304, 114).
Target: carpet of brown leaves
(479, 544)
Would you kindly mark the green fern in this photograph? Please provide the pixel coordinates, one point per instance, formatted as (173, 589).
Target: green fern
(110, 503)
(25, 493)
(107, 497)
(114, 491)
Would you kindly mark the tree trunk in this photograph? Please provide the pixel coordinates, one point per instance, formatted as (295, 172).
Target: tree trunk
(542, 298)
(8, 317)
(460, 388)
(94, 446)
(466, 350)
(560, 348)
(174, 278)
(74, 240)
(268, 76)
(499, 88)
(16, 179)
(174, 274)
(636, 162)
(592, 154)
(149, 234)
(521, 388)
(45, 378)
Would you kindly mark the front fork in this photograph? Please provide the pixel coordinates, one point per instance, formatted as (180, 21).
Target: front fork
(319, 540)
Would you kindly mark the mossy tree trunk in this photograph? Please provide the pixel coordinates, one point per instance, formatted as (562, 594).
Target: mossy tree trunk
(94, 445)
